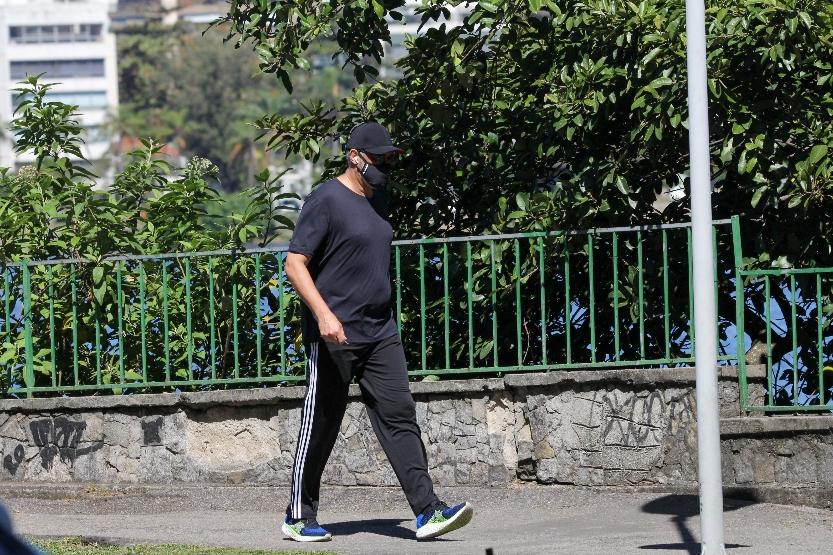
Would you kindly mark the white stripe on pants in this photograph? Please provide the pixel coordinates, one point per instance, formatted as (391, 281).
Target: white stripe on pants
(304, 435)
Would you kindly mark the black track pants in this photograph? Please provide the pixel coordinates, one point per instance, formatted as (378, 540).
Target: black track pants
(381, 372)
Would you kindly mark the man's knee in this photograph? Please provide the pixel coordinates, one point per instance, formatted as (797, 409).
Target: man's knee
(400, 410)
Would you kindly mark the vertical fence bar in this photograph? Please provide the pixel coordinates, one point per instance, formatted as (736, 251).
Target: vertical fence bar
(398, 264)
(493, 262)
(29, 373)
(543, 301)
(720, 348)
(820, 339)
(568, 304)
(282, 309)
(52, 326)
(615, 262)
(666, 311)
(188, 323)
(740, 306)
(234, 325)
(794, 325)
(143, 319)
(592, 297)
(445, 307)
(7, 300)
(641, 292)
(74, 298)
(97, 344)
(518, 321)
(258, 319)
(770, 382)
(690, 292)
(165, 322)
(119, 319)
(212, 309)
(469, 286)
(7, 320)
(423, 354)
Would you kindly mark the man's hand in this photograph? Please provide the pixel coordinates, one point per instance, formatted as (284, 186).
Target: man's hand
(331, 330)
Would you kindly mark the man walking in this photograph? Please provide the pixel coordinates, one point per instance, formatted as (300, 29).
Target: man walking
(339, 263)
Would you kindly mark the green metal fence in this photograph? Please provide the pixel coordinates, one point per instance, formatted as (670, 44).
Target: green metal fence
(465, 306)
(789, 314)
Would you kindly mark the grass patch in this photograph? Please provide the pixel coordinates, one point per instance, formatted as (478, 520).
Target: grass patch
(80, 546)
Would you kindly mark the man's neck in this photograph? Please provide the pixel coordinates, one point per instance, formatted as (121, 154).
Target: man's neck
(353, 181)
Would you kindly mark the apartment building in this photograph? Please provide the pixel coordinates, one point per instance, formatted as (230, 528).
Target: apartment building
(70, 42)
(409, 25)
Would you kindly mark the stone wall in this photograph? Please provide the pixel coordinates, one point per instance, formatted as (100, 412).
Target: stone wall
(594, 428)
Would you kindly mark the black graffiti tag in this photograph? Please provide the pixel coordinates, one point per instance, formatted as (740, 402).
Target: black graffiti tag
(60, 437)
(12, 462)
(631, 426)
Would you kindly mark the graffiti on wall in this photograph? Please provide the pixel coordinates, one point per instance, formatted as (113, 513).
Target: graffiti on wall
(55, 438)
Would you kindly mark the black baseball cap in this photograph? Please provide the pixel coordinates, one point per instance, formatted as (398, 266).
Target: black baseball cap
(371, 137)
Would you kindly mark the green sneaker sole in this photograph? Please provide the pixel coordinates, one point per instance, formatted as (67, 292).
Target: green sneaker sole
(295, 535)
(435, 529)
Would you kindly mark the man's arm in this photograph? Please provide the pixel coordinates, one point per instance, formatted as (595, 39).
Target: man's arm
(299, 276)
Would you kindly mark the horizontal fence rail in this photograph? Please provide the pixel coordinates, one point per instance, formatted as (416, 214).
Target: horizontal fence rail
(465, 306)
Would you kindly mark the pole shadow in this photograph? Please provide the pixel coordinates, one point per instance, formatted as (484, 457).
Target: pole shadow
(681, 508)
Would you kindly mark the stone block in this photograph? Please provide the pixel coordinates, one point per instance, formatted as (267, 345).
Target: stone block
(526, 450)
(478, 409)
(543, 450)
(13, 428)
(338, 474)
(462, 474)
(443, 475)
(548, 471)
(499, 475)
(763, 467)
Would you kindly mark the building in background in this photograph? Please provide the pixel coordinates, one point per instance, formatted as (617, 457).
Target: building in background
(70, 42)
(409, 25)
(168, 12)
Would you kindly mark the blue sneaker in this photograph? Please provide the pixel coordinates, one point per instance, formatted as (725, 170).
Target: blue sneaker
(302, 530)
(442, 519)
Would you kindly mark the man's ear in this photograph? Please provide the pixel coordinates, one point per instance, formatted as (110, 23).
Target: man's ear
(353, 157)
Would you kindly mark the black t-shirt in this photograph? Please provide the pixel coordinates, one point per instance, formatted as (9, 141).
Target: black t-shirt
(347, 238)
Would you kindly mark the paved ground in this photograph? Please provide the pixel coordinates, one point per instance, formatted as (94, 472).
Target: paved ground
(531, 519)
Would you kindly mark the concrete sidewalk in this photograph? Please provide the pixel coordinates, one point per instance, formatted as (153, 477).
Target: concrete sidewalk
(531, 519)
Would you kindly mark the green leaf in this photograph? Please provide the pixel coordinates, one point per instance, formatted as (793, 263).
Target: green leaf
(817, 153)
(756, 198)
(379, 9)
(99, 293)
(651, 55)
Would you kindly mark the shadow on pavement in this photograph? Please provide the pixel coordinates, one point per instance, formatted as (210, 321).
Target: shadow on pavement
(390, 527)
(681, 508)
(10, 543)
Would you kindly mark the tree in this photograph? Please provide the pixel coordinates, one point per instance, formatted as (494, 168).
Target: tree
(498, 106)
(187, 89)
(554, 114)
(51, 211)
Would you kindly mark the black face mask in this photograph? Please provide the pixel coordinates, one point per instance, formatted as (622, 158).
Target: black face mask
(375, 175)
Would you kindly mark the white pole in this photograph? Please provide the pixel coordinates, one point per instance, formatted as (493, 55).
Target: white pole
(705, 327)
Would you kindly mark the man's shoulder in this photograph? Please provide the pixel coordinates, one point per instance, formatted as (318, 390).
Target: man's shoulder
(324, 190)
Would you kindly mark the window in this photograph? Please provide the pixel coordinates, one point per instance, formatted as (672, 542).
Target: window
(58, 68)
(96, 100)
(33, 34)
(64, 33)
